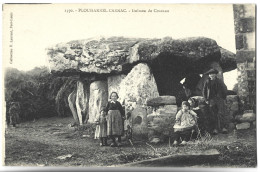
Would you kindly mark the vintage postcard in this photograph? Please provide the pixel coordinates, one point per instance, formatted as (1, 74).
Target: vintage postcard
(129, 85)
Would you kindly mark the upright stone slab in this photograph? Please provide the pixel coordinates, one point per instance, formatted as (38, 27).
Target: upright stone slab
(81, 101)
(98, 98)
(113, 83)
(137, 86)
(139, 124)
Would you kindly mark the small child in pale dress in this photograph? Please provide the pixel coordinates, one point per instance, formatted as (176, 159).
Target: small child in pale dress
(101, 128)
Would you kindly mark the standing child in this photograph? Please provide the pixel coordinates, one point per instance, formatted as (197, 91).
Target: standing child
(185, 122)
(101, 129)
(115, 116)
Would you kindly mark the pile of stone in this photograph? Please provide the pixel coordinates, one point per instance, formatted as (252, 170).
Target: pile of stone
(161, 116)
(238, 120)
(232, 110)
(246, 120)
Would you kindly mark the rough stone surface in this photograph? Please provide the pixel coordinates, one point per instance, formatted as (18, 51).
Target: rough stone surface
(114, 82)
(139, 124)
(160, 122)
(243, 126)
(98, 98)
(232, 106)
(227, 60)
(248, 117)
(106, 55)
(161, 100)
(137, 86)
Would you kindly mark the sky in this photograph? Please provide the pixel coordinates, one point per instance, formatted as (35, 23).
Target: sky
(36, 27)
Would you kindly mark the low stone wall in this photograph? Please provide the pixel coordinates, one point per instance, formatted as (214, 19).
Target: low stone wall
(161, 117)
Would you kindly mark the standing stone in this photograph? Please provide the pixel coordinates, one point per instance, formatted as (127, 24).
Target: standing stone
(72, 105)
(138, 86)
(139, 123)
(243, 126)
(98, 98)
(81, 101)
(113, 83)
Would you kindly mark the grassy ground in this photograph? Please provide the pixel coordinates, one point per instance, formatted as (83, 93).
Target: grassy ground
(39, 143)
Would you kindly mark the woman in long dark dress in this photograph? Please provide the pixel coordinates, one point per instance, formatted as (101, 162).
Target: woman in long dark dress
(115, 116)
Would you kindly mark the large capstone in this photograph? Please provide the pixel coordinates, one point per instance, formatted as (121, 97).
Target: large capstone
(116, 54)
(170, 60)
(98, 98)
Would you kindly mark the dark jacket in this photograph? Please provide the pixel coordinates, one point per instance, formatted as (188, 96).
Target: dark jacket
(115, 106)
(214, 88)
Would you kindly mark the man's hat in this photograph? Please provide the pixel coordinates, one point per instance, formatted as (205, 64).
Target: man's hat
(211, 71)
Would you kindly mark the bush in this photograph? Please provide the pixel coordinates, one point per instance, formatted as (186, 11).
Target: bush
(39, 93)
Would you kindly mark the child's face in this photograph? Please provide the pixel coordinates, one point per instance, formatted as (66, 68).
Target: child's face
(185, 107)
(114, 97)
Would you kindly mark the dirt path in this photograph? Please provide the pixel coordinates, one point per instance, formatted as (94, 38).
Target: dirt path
(39, 143)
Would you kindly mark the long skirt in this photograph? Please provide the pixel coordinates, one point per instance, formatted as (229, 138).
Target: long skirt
(114, 123)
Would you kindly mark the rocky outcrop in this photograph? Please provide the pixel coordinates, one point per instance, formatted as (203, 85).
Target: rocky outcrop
(98, 98)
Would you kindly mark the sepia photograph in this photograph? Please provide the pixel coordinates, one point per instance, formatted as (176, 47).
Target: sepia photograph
(129, 85)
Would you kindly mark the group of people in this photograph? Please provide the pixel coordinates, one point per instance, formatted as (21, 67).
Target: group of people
(205, 113)
(191, 117)
(110, 122)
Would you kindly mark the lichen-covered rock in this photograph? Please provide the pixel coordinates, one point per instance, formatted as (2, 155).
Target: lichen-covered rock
(161, 100)
(243, 126)
(114, 83)
(137, 86)
(98, 98)
(116, 54)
